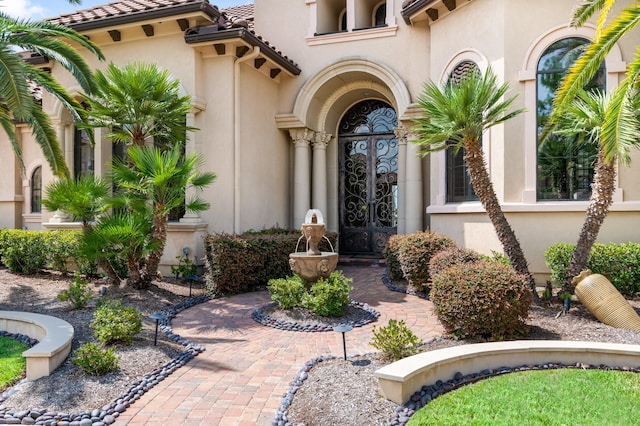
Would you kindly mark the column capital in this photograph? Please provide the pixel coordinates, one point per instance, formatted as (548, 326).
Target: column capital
(321, 140)
(402, 133)
(301, 135)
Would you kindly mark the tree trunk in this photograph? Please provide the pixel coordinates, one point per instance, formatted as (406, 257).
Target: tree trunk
(159, 234)
(136, 278)
(483, 188)
(604, 181)
(112, 276)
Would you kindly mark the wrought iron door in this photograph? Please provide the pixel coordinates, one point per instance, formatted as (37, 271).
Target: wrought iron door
(368, 152)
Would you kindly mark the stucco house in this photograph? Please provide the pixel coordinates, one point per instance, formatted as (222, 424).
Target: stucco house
(309, 104)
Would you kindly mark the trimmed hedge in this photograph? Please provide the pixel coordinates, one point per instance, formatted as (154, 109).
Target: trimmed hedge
(391, 253)
(445, 259)
(30, 252)
(620, 263)
(481, 299)
(242, 263)
(414, 253)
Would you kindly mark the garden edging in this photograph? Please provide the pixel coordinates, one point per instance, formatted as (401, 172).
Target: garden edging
(399, 380)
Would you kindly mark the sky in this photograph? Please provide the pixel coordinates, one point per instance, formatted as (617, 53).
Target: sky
(39, 9)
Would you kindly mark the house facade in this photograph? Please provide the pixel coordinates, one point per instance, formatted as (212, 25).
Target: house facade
(310, 104)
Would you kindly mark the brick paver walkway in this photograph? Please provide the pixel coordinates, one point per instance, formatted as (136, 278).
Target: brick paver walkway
(247, 367)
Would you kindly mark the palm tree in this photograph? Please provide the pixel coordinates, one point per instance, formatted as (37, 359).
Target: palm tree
(585, 117)
(455, 116)
(139, 101)
(17, 77)
(152, 183)
(83, 198)
(615, 125)
(120, 235)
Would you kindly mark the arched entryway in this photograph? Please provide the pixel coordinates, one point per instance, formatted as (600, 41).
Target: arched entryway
(368, 177)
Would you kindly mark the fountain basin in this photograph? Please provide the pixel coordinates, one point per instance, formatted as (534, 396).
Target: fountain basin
(312, 267)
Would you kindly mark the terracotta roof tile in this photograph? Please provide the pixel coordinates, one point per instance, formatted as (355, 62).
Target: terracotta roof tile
(240, 13)
(116, 8)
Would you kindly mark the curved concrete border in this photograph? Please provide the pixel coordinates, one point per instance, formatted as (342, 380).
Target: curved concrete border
(399, 380)
(54, 336)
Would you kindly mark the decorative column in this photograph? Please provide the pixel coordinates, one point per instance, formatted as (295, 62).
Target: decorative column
(414, 204)
(64, 132)
(189, 149)
(401, 133)
(319, 170)
(301, 176)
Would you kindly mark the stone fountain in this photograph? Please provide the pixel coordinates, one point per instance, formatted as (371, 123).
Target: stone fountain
(313, 263)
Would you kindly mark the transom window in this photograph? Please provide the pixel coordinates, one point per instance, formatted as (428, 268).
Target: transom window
(565, 167)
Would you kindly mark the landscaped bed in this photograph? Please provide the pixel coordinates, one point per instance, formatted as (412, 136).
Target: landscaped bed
(343, 392)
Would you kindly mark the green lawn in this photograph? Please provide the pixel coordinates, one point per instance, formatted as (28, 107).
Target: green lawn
(547, 397)
(12, 364)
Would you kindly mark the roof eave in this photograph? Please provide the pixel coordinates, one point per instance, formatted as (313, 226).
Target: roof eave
(248, 37)
(145, 15)
(414, 8)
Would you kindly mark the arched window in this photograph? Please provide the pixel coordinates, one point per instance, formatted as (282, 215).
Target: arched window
(380, 16)
(564, 167)
(36, 190)
(343, 21)
(459, 186)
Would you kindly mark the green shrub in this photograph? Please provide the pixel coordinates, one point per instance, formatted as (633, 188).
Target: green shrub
(25, 251)
(114, 322)
(620, 263)
(451, 256)
(185, 267)
(78, 293)
(391, 257)
(481, 299)
(414, 253)
(496, 256)
(287, 292)
(96, 360)
(329, 297)
(395, 340)
(61, 247)
(241, 263)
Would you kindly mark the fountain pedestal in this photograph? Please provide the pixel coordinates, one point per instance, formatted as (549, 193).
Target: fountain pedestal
(313, 263)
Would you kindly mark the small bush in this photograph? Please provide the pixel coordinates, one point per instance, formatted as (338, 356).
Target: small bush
(395, 340)
(61, 247)
(390, 253)
(452, 256)
(287, 292)
(481, 299)
(96, 360)
(498, 257)
(79, 293)
(329, 297)
(116, 323)
(415, 252)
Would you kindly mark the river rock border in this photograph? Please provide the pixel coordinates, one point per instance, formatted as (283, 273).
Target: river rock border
(260, 316)
(108, 414)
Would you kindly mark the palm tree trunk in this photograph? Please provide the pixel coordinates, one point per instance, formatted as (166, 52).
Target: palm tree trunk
(159, 234)
(135, 278)
(599, 203)
(483, 188)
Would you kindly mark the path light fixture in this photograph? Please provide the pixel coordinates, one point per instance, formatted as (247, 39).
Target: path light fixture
(343, 328)
(157, 316)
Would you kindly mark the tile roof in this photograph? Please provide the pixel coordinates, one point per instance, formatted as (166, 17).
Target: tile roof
(244, 12)
(115, 9)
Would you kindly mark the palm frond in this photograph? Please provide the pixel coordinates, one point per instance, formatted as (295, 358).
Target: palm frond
(589, 62)
(9, 127)
(14, 90)
(586, 9)
(48, 142)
